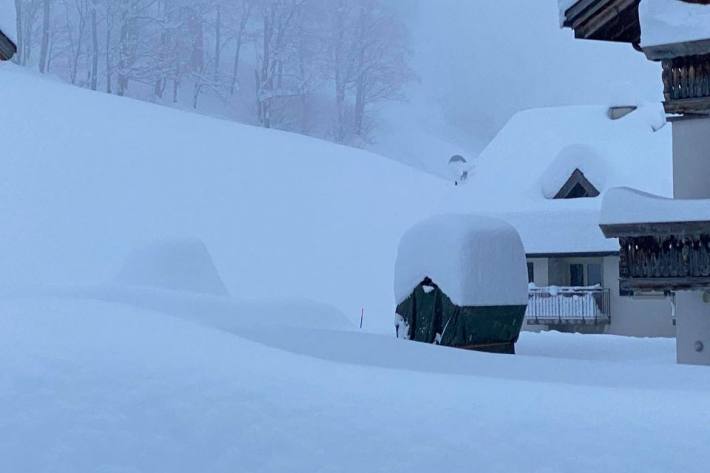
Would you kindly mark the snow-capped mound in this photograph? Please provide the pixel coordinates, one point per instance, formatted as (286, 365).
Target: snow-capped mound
(476, 261)
(173, 264)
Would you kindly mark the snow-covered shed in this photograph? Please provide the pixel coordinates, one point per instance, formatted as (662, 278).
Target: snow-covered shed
(546, 173)
(460, 281)
(8, 29)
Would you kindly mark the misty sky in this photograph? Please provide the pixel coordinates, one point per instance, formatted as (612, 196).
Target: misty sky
(482, 60)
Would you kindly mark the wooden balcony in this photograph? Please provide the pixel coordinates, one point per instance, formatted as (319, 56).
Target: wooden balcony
(665, 263)
(686, 84)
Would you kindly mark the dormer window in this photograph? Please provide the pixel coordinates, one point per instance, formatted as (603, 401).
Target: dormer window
(577, 187)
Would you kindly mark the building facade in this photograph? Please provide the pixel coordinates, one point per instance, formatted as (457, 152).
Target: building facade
(665, 243)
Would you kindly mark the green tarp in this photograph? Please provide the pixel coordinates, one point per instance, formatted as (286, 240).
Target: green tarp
(431, 317)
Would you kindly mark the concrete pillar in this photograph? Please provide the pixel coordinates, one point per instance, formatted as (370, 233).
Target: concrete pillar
(691, 158)
(693, 328)
(691, 180)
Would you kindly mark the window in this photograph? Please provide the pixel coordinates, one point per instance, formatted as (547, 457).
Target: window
(594, 274)
(531, 272)
(576, 275)
(577, 187)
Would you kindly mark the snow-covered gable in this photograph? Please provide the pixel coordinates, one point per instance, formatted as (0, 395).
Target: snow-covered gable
(666, 22)
(475, 260)
(526, 164)
(8, 19)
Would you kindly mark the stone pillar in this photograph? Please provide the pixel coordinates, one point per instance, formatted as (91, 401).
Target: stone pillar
(693, 327)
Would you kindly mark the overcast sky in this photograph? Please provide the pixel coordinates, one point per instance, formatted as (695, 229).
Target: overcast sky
(483, 60)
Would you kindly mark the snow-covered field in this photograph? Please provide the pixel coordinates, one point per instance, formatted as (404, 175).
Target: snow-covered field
(179, 295)
(92, 386)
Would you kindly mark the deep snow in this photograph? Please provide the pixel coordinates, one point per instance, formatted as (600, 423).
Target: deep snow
(281, 214)
(139, 373)
(92, 386)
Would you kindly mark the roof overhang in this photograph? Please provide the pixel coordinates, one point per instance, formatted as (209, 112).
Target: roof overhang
(605, 20)
(7, 47)
(578, 254)
(631, 230)
(669, 51)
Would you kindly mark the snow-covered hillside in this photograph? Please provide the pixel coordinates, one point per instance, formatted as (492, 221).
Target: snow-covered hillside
(88, 177)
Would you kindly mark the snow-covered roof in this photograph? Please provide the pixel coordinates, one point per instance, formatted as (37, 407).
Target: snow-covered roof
(526, 164)
(8, 19)
(624, 205)
(475, 260)
(666, 22)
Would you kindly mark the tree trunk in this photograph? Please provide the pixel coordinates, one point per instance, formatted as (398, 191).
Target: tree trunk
(218, 43)
(95, 48)
(44, 50)
(20, 40)
(359, 108)
(240, 35)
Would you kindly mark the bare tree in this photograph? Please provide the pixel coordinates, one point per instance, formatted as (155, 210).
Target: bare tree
(319, 65)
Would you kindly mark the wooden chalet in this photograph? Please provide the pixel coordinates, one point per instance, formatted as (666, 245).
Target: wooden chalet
(7, 47)
(662, 256)
(661, 251)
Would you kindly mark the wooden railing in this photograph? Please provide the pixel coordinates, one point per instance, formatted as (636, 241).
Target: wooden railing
(665, 257)
(686, 83)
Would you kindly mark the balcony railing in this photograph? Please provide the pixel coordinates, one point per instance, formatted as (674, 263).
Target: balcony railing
(568, 306)
(686, 84)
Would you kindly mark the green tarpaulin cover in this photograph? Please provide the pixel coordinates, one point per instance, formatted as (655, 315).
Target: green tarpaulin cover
(429, 316)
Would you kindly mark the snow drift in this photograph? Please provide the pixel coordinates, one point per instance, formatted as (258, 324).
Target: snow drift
(174, 264)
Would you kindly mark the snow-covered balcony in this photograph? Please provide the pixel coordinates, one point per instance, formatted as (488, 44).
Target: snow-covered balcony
(555, 305)
(664, 243)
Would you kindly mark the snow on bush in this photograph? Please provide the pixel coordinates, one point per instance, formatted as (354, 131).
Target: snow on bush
(668, 22)
(625, 205)
(475, 260)
(173, 264)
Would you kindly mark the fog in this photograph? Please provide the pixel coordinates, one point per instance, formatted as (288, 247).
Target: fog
(416, 80)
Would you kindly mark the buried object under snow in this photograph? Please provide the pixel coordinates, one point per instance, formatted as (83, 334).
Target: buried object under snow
(461, 281)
